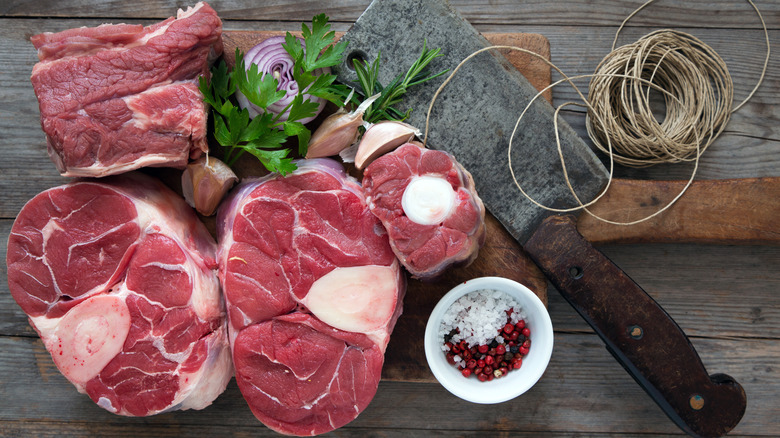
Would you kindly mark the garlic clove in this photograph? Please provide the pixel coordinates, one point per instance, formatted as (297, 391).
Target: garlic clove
(205, 182)
(381, 138)
(338, 131)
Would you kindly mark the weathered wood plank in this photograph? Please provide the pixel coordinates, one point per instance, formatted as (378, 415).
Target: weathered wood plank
(13, 322)
(45, 429)
(750, 144)
(27, 168)
(700, 13)
(584, 390)
(738, 211)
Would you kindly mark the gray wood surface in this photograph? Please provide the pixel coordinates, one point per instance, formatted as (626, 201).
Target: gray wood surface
(725, 297)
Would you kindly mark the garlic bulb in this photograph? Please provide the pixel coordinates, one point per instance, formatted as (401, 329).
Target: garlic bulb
(205, 182)
(383, 137)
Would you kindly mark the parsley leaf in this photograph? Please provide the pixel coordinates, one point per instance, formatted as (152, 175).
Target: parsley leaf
(270, 140)
(303, 134)
(220, 87)
(301, 108)
(256, 128)
(294, 48)
(320, 50)
(221, 132)
(317, 51)
(260, 89)
(274, 160)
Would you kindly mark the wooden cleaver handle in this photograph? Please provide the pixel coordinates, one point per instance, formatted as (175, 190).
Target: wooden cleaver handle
(637, 331)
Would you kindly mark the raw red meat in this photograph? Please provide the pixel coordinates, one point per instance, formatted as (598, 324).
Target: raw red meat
(448, 226)
(313, 291)
(119, 97)
(118, 277)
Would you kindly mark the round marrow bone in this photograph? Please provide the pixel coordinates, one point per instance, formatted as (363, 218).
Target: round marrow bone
(356, 299)
(428, 200)
(89, 337)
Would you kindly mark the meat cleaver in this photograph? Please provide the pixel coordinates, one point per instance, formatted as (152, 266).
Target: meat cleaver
(473, 119)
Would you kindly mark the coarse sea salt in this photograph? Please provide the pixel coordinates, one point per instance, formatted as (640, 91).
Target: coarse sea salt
(477, 317)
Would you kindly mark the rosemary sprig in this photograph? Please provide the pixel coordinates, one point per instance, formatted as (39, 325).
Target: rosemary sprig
(392, 94)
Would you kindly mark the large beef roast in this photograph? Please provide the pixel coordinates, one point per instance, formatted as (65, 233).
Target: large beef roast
(313, 291)
(119, 97)
(118, 277)
(428, 203)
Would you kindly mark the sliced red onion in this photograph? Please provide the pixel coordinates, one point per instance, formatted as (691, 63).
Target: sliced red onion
(271, 57)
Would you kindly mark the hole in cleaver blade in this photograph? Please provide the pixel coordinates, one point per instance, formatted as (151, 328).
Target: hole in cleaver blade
(475, 114)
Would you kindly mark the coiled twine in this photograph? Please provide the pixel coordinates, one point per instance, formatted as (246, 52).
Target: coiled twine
(693, 81)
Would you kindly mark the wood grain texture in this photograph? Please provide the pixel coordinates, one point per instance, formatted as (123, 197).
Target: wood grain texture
(78, 429)
(725, 297)
(703, 13)
(736, 211)
(711, 291)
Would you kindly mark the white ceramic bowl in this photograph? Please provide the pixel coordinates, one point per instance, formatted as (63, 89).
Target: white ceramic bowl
(515, 382)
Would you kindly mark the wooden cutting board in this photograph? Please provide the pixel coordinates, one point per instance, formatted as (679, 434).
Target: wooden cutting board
(735, 211)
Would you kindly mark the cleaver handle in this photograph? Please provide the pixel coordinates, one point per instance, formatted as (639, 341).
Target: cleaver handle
(637, 331)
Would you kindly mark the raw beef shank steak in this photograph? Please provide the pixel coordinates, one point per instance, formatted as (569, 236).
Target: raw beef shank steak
(118, 277)
(313, 291)
(119, 97)
(428, 203)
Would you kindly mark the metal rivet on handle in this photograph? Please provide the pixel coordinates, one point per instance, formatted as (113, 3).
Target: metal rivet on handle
(636, 332)
(696, 402)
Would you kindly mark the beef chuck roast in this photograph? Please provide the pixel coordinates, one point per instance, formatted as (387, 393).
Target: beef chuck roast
(119, 97)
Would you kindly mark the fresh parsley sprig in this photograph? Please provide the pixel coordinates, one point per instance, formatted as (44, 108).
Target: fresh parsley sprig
(233, 128)
(392, 94)
(319, 51)
(265, 135)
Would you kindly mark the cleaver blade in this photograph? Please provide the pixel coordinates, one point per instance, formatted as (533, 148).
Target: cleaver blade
(473, 119)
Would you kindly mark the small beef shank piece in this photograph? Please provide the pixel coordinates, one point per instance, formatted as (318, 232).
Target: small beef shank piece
(429, 206)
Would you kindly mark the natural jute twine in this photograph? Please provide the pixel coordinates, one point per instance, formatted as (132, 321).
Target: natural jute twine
(676, 62)
(692, 79)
